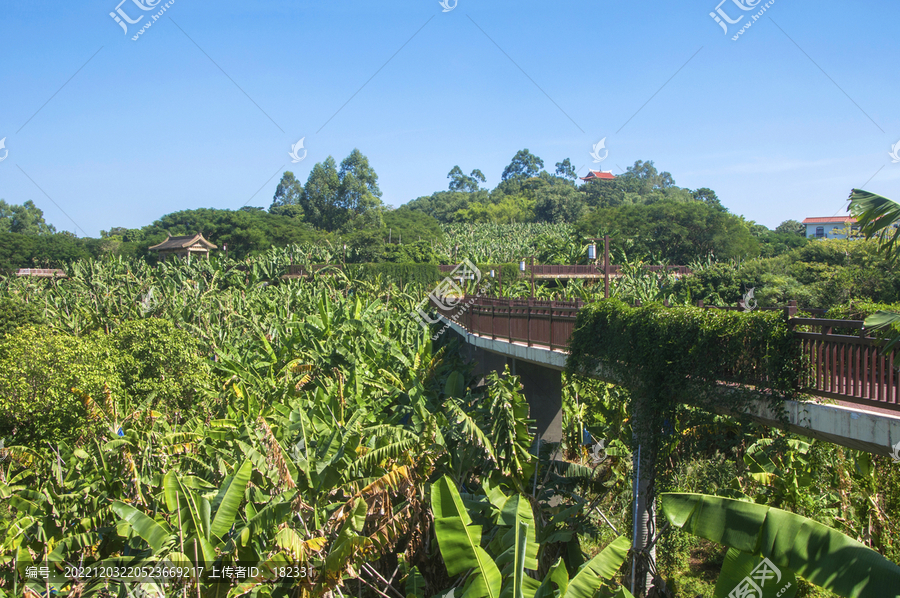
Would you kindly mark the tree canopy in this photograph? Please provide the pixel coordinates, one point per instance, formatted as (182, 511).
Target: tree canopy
(26, 219)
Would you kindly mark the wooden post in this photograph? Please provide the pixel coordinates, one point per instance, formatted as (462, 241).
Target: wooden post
(606, 266)
(493, 312)
(528, 321)
(791, 310)
(551, 326)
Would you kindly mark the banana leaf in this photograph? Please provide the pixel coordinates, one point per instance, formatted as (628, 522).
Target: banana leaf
(460, 542)
(820, 554)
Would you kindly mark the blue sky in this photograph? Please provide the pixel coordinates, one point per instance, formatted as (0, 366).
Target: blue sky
(202, 110)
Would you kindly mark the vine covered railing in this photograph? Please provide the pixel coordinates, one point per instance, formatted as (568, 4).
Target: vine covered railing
(770, 348)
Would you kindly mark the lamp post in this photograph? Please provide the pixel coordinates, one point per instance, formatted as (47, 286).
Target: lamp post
(344, 262)
(522, 269)
(522, 266)
(592, 255)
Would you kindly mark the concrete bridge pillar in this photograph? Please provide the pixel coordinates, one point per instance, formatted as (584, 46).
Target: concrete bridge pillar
(543, 391)
(542, 387)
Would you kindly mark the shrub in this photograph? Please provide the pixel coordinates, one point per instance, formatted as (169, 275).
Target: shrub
(46, 381)
(161, 364)
(15, 313)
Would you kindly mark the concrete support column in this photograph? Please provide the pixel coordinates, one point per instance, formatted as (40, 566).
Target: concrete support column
(543, 391)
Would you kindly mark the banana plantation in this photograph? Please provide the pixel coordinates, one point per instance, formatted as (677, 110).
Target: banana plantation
(209, 429)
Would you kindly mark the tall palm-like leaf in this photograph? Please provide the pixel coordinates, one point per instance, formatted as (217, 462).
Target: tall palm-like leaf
(878, 218)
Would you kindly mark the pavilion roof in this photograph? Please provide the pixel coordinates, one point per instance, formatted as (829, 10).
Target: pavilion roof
(183, 242)
(599, 174)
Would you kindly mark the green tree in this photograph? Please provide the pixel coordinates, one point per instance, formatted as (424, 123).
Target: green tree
(320, 194)
(565, 170)
(792, 227)
(26, 219)
(709, 197)
(15, 313)
(287, 196)
(558, 203)
(674, 231)
(117, 231)
(647, 177)
(411, 225)
(461, 182)
(524, 165)
(359, 198)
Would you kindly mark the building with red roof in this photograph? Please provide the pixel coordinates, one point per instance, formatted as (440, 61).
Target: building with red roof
(603, 175)
(829, 227)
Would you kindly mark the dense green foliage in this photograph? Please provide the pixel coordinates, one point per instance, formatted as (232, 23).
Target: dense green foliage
(650, 217)
(14, 314)
(305, 418)
(333, 198)
(669, 351)
(821, 274)
(26, 219)
(44, 379)
(674, 232)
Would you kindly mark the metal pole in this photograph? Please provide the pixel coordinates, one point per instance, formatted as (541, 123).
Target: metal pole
(634, 528)
(606, 266)
(500, 278)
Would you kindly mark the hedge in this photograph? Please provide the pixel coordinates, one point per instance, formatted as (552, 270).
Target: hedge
(661, 348)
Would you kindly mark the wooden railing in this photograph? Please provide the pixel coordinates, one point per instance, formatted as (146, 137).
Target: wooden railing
(565, 271)
(41, 272)
(844, 367)
(530, 321)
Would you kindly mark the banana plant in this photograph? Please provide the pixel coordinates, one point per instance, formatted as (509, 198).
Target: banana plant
(513, 550)
(790, 542)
